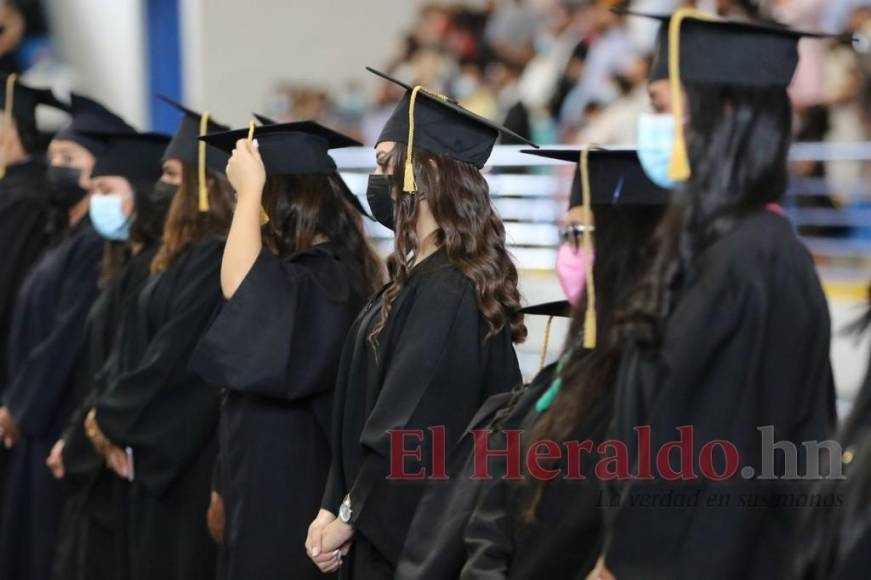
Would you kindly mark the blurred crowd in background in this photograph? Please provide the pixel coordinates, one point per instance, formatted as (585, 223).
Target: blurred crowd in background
(571, 71)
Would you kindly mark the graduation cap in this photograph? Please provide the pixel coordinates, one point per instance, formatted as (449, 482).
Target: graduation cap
(89, 116)
(616, 177)
(697, 47)
(134, 156)
(186, 148)
(431, 121)
(20, 101)
(560, 308)
(349, 195)
(300, 148)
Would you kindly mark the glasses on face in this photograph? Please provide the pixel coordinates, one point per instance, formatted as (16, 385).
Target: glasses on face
(573, 234)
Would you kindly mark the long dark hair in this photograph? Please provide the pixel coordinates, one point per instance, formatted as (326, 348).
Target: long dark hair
(622, 243)
(470, 232)
(738, 141)
(146, 229)
(303, 207)
(185, 224)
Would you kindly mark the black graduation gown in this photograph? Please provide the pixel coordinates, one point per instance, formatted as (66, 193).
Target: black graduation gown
(434, 369)
(565, 539)
(835, 537)
(23, 235)
(87, 548)
(435, 547)
(747, 346)
(168, 416)
(275, 348)
(46, 337)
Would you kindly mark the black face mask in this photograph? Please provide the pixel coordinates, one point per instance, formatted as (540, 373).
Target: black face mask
(162, 193)
(65, 191)
(380, 201)
(152, 210)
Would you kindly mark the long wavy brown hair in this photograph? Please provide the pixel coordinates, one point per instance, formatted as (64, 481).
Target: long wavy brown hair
(303, 207)
(470, 232)
(185, 224)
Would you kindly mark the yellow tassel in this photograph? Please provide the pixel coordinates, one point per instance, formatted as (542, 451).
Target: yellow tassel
(546, 338)
(679, 166)
(264, 217)
(409, 184)
(587, 244)
(7, 114)
(201, 166)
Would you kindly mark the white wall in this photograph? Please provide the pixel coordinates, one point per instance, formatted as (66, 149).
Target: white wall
(235, 52)
(103, 42)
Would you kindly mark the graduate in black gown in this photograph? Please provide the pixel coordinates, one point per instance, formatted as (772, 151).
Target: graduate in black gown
(24, 200)
(728, 333)
(293, 287)
(156, 420)
(548, 523)
(44, 343)
(125, 172)
(835, 538)
(432, 346)
(27, 226)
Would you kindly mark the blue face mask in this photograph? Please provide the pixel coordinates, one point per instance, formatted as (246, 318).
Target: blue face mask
(107, 216)
(655, 142)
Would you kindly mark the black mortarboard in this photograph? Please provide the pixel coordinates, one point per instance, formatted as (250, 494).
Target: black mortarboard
(440, 125)
(89, 116)
(355, 201)
(135, 156)
(616, 177)
(560, 308)
(19, 102)
(25, 99)
(185, 145)
(300, 148)
(697, 47)
(728, 52)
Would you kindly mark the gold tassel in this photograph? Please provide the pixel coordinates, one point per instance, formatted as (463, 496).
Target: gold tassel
(587, 244)
(679, 167)
(7, 114)
(264, 217)
(409, 185)
(201, 166)
(546, 338)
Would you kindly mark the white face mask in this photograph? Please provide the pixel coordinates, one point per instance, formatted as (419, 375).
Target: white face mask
(107, 216)
(656, 134)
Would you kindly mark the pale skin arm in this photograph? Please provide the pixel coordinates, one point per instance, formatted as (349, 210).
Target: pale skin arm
(247, 175)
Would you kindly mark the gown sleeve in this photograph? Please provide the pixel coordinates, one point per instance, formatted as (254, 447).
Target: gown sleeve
(159, 407)
(276, 336)
(42, 378)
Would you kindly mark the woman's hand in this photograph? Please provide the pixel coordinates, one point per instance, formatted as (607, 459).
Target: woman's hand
(55, 460)
(326, 561)
(600, 572)
(246, 171)
(100, 442)
(8, 428)
(116, 459)
(215, 518)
